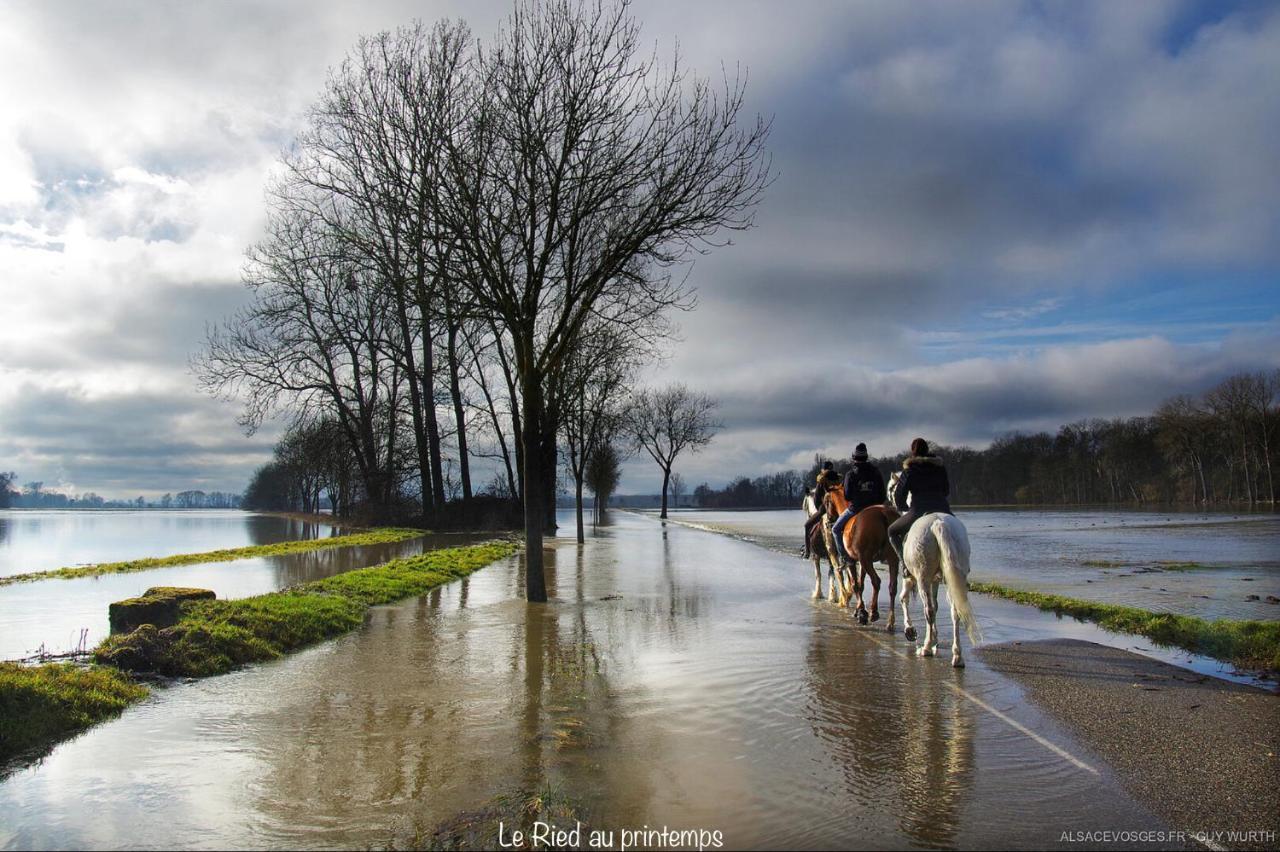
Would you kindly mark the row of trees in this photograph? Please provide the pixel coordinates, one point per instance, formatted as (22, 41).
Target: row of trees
(33, 495)
(1218, 447)
(469, 253)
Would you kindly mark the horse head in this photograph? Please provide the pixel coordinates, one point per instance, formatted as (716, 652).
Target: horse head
(891, 490)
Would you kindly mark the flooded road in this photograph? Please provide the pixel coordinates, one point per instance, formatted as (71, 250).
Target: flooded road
(678, 678)
(40, 540)
(52, 613)
(1110, 556)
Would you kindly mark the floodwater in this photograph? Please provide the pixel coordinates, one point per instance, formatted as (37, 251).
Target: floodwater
(38, 540)
(678, 679)
(50, 615)
(1050, 551)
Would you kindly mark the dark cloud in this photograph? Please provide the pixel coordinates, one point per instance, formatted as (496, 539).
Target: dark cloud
(979, 210)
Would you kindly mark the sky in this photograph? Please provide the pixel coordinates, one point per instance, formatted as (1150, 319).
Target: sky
(986, 217)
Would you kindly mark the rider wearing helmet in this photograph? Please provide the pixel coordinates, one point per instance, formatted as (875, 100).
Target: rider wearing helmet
(827, 478)
(863, 487)
(924, 479)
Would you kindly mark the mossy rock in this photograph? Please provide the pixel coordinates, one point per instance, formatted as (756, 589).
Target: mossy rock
(160, 606)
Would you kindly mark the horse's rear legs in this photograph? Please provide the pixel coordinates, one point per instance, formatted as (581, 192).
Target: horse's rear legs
(957, 661)
(929, 594)
(908, 584)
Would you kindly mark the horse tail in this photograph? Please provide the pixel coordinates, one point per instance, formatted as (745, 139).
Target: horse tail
(953, 544)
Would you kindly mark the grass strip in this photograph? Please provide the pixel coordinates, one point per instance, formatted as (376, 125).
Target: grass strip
(381, 535)
(1246, 644)
(213, 637)
(42, 704)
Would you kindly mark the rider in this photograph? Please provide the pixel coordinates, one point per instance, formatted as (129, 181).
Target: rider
(863, 487)
(827, 478)
(924, 479)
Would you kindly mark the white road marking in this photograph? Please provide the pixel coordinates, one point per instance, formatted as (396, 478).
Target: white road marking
(1013, 723)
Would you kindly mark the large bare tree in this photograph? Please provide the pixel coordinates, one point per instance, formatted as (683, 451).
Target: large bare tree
(578, 161)
(667, 421)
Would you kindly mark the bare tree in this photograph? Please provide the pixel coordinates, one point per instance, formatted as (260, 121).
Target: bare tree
(582, 166)
(677, 490)
(594, 386)
(667, 421)
(604, 471)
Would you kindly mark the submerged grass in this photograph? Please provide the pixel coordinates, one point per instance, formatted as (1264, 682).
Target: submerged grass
(213, 637)
(381, 535)
(1246, 644)
(42, 704)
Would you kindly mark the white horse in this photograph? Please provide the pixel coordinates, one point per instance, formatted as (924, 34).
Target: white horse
(836, 590)
(937, 550)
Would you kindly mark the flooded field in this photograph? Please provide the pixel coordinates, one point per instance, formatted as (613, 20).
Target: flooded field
(1106, 556)
(52, 613)
(678, 678)
(38, 540)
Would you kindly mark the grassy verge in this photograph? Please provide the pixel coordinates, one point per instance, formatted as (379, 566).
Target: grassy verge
(212, 637)
(42, 704)
(384, 535)
(1246, 644)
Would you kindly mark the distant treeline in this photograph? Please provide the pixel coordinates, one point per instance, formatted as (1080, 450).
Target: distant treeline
(1216, 448)
(33, 495)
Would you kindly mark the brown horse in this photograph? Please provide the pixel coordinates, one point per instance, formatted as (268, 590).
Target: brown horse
(866, 540)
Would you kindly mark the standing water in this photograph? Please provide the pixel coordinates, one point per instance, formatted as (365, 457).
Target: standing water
(37, 540)
(677, 678)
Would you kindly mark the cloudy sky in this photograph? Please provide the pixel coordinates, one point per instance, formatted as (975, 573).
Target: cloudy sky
(987, 217)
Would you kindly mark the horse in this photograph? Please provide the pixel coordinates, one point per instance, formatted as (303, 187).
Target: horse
(821, 542)
(937, 550)
(866, 540)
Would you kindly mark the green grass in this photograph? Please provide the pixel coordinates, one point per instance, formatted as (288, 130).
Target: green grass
(213, 637)
(42, 704)
(1246, 644)
(1162, 564)
(382, 535)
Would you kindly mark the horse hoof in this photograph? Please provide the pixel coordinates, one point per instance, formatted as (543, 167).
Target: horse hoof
(910, 633)
(862, 618)
(925, 652)
(875, 616)
(957, 663)
(888, 628)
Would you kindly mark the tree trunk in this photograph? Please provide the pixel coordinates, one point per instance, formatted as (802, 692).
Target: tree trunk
(666, 478)
(578, 496)
(429, 413)
(535, 583)
(455, 390)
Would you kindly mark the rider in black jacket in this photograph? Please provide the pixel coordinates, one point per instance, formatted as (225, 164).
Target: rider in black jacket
(863, 487)
(924, 479)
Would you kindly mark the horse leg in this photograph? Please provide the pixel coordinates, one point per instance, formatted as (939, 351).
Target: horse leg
(869, 569)
(908, 582)
(892, 560)
(817, 576)
(929, 594)
(957, 661)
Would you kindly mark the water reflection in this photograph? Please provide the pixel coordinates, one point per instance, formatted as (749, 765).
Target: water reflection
(679, 681)
(39, 540)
